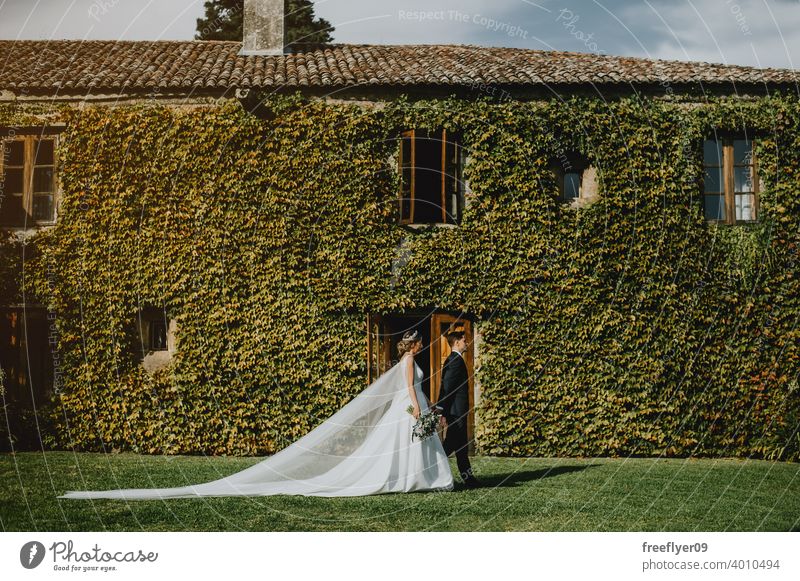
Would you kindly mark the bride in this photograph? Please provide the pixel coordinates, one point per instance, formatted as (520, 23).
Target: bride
(364, 448)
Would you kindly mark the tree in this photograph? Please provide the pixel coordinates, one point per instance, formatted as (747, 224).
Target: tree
(223, 21)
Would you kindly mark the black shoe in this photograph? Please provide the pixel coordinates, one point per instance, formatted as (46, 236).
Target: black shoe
(472, 482)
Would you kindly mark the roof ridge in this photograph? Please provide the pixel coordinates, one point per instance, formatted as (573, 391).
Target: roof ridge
(333, 45)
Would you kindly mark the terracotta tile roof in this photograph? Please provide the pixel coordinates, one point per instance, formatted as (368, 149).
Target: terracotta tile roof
(67, 66)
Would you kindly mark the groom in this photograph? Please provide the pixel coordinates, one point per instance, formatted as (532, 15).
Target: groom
(454, 404)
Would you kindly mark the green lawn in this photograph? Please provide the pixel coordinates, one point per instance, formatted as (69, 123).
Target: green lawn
(535, 494)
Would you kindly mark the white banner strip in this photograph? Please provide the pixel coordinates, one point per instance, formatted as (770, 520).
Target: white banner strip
(399, 556)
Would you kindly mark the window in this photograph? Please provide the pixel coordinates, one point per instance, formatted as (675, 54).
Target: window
(153, 330)
(570, 186)
(430, 168)
(575, 178)
(28, 180)
(158, 335)
(730, 180)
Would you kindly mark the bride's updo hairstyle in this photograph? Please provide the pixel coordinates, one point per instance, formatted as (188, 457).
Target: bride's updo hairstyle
(408, 341)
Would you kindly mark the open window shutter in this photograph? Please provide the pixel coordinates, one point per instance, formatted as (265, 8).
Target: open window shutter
(443, 203)
(407, 174)
(450, 172)
(730, 201)
(378, 347)
(756, 187)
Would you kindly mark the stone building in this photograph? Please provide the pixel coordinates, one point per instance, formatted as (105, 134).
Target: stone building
(41, 79)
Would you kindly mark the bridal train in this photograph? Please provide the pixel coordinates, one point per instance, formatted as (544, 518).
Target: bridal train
(364, 448)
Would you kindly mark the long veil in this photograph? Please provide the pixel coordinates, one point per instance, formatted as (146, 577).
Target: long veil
(330, 460)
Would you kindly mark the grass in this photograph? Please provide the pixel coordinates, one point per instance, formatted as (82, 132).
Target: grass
(533, 494)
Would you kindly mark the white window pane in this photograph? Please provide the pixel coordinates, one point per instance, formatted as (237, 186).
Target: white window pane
(572, 186)
(744, 206)
(743, 179)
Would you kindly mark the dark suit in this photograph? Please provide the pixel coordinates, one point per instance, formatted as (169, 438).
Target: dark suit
(454, 401)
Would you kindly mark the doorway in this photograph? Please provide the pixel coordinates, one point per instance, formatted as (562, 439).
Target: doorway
(385, 331)
(29, 372)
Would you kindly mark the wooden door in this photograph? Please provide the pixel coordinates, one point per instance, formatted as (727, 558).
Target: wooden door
(441, 325)
(379, 357)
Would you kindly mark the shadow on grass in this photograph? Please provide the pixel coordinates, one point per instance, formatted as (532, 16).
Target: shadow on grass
(518, 478)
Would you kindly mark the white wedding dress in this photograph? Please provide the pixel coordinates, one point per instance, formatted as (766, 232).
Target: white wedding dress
(364, 448)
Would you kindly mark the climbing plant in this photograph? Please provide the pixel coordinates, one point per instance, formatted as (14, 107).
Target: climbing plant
(627, 327)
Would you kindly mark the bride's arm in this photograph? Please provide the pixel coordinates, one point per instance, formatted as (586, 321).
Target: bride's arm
(412, 393)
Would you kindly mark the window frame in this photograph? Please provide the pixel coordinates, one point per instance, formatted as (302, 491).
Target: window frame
(148, 316)
(152, 325)
(728, 166)
(379, 358)
(28, 137)
(450, 172)
(578, 165)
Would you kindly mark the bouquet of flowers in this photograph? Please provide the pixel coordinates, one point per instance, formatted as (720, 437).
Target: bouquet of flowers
(426, 425)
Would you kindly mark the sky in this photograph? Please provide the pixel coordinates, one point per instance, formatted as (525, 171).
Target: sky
(760, 33)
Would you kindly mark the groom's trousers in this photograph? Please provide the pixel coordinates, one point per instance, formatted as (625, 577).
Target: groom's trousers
(456, 441)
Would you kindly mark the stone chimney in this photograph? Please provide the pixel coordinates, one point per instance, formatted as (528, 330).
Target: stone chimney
(263, 27)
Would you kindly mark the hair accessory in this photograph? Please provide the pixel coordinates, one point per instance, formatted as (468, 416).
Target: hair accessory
(409, 336)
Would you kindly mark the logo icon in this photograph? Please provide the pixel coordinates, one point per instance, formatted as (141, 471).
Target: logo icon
(31, 555)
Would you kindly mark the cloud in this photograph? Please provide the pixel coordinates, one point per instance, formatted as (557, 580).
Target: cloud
(749, 32)
(98, 19)
(424, 21)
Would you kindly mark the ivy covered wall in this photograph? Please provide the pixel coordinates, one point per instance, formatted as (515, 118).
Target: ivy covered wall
(629, 327)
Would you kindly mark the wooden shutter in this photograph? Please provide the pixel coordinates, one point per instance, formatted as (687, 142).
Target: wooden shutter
(444, 204)
(408, 160)
(756, 186)
(727, 169)
(378, 347)
(450, 172)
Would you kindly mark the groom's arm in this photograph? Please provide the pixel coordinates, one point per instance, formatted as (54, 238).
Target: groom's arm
(445, 389)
